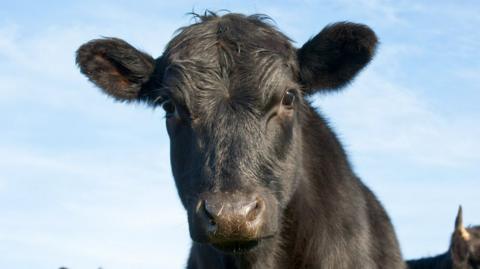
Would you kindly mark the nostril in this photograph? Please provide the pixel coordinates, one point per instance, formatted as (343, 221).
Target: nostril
(254, 210)
(210, 217)
(212, 222)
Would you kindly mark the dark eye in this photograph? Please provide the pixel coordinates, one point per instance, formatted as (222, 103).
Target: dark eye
(288, 98)
(169, 108)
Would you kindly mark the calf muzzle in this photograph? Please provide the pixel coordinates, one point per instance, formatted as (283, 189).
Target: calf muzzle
(231, 221)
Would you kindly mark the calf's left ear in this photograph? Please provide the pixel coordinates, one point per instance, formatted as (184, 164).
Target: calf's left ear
(116, 67)
(333, 57)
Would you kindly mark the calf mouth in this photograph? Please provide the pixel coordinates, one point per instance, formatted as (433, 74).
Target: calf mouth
(239, 247)
(236, 247)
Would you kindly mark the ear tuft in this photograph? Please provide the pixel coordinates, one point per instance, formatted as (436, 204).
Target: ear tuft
(116, 67)
(331, 59)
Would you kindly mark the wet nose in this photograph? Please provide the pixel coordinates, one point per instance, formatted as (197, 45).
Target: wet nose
(229, 218)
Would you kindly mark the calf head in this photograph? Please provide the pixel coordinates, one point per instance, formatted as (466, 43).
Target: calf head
(465, 245)
(233, 90)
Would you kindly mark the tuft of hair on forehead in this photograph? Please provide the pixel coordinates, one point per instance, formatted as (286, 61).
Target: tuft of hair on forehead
(235, 59)
(238, 30)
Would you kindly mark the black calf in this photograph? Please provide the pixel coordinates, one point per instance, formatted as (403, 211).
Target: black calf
(264, 180)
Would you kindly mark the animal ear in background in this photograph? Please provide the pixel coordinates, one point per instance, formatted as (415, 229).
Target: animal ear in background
(459, 245)
(116, 67)
(459, 227)
(332, 58)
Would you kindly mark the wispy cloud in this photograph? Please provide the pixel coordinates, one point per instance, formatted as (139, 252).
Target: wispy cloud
(91, 209)
(380, 116)
(107, 202)
(374, 9)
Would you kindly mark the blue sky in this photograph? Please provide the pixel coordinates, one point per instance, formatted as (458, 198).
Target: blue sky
(85, 181)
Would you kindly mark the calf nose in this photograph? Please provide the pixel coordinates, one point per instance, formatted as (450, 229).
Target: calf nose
(232, 218)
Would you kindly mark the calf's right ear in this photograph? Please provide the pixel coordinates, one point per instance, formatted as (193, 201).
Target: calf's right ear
(116, 67)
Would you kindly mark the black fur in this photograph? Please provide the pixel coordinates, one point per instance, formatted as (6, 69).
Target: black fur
(442, 261)
(222, 82)
(333, 57)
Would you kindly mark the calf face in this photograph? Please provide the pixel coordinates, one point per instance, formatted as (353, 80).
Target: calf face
(233, 89)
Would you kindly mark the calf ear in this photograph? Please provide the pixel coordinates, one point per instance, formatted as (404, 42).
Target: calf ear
(116, 67)
(334, 56)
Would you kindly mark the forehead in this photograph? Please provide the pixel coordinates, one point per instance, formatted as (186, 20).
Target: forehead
(234, 58)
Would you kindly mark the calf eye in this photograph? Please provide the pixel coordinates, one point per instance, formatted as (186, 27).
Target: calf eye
(288, 98)
(169, 108)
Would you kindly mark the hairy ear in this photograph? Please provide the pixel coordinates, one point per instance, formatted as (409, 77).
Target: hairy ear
(333, 57)
(116, 67)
